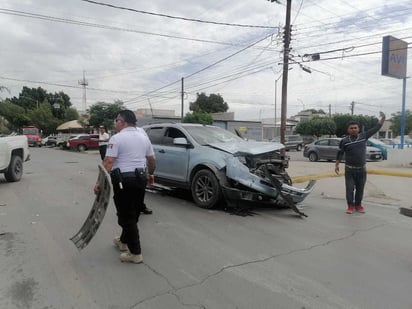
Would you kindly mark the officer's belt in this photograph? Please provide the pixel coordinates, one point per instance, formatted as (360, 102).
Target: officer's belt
(354, 167)
(133, 174)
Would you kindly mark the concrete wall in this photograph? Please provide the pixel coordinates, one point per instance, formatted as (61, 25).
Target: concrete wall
(399, 158)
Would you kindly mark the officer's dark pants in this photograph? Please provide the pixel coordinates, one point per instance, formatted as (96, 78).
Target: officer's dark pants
(128, 202)
(355, 179)
(102, 150)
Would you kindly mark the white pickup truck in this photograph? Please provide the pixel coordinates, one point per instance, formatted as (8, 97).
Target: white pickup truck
(14, 150)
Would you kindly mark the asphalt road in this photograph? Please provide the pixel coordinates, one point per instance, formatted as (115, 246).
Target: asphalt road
(195, 258)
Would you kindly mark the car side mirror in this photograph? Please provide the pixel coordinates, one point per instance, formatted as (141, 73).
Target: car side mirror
(182, 141)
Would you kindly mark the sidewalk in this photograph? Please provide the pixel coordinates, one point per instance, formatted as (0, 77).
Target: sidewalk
(388, 183)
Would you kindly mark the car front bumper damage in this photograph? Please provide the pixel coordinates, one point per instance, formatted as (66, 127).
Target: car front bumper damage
(257, 189)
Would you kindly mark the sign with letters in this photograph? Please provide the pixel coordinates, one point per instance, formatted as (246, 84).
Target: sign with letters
(394, 56)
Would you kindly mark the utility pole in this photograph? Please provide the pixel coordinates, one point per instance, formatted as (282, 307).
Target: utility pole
(286, 43)
(276, 104)
(83, 82)
(352, 107)
(183, 98)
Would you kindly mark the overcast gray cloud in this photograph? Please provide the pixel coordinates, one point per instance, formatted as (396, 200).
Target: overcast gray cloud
(128, 55)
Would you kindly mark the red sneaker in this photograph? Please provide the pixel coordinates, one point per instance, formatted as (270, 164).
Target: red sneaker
(360, 209)
(350, 209)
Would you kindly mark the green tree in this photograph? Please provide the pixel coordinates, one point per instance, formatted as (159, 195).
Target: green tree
(198, 117)
(60, 102)
(70, 114)
(342, 120)
(103, 114)
(42, 117)
(213, 103)
(315, 111)
(31, 98)
(35, 106)
(15, 115)
(396, 123)
(316, 126)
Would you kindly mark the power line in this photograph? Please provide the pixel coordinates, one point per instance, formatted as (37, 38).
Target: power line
(357, 55)
(207, 67)
(60, 85)
(177, 17)
(102, 26)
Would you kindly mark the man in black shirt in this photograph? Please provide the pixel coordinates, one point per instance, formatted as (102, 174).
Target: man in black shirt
(353, 147)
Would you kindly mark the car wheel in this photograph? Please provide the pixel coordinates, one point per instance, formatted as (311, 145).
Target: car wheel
(298, 147)
(81, 147)
(313, 157)
(15, 169)
(206, 191)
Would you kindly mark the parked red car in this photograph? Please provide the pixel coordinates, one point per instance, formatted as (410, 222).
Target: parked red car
(83, 142)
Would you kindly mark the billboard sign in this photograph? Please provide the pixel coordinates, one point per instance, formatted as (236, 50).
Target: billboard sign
(394, 56)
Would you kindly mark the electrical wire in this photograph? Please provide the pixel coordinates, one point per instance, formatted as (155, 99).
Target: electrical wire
(102, 26)
(176, 17)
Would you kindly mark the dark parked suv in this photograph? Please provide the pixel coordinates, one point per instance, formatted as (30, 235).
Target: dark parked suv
(291, 142)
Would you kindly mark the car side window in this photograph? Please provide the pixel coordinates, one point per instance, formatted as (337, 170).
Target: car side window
(155, 135)
(170, 134)
(334, 142)
(174, 133)
(323, 142)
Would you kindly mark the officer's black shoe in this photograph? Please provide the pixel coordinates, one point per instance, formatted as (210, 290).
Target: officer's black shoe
(146, 211)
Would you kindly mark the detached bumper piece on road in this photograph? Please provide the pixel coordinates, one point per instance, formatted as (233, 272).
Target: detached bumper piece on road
(97, 213)
(406, 211)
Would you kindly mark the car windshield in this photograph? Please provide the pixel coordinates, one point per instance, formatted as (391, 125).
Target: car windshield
(208, 135)
(32, 131)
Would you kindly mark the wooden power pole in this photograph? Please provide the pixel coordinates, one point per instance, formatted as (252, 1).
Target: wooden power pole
(286, 43)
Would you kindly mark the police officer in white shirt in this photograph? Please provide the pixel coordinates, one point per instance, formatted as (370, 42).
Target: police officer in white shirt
(103, 141)
(127, 155)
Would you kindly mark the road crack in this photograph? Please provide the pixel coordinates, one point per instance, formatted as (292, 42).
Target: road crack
(175, 290)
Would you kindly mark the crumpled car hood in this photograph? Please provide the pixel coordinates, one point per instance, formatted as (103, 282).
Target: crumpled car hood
(251, 147)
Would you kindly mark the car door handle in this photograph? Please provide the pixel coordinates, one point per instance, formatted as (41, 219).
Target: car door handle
(162, 151)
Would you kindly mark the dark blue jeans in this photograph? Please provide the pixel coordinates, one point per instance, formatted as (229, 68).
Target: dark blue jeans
(102, 150)
(129, 203)
(355, 179)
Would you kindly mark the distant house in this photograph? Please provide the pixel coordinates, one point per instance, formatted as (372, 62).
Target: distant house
(271, 129)
(308, 114)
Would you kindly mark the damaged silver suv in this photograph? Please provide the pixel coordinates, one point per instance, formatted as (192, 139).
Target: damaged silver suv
(215, 164)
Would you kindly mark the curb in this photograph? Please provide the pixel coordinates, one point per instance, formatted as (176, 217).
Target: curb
(299, 179)
(390, 173)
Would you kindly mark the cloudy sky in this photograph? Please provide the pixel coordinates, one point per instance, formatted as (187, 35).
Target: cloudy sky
(139, 51)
